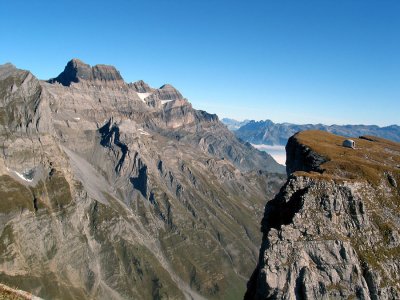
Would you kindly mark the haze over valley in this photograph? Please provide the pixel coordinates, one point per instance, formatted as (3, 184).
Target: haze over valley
(199, 150)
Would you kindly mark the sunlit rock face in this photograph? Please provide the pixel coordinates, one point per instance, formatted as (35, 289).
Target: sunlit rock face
(111, 190)
(332, 232)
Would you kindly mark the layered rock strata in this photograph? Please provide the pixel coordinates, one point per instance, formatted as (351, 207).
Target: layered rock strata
(106, 195)
(332, 232)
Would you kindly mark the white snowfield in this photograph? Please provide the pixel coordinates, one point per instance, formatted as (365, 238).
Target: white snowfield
(23, 177)
(143, 95)
(141, 131)
(165, 101)
(20, 175)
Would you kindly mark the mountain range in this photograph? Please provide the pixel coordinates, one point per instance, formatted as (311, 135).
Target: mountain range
(270, 133)
(115, 190)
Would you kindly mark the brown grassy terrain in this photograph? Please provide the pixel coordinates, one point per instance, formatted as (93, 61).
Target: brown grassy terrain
(8, 293)
(372, 157)
(376, 162)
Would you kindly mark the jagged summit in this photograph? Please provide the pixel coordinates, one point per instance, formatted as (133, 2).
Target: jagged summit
(6, 70)
(167, 93)
(7, 65)
(76, 71)
(156, 199)
(166, 87)
(141, 87)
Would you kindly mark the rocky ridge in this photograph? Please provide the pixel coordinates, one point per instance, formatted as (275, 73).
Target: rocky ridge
(77, 71)
(107, 192)
(8, 293)
(270, 133)
(332, 232)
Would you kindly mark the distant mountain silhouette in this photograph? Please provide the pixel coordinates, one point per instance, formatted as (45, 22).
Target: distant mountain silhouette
(270, 133)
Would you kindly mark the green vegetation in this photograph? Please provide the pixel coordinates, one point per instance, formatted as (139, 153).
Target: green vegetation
(3, 116)
(202, 262)
(142, 270)
(10, 295)
(53, 193)
(58, 190)
(6, 239)
(132, 265)
(14, 196)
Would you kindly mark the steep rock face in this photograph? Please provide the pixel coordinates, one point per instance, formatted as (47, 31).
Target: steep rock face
(333, 233)
(101, 198)
(77, 71)
(302, 158)
(141, 87)
(165, 94)
(168, 92)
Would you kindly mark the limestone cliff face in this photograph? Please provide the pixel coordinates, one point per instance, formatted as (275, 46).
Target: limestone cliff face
(77, 71)
(106, 196)
(141, 87)
(332, 232)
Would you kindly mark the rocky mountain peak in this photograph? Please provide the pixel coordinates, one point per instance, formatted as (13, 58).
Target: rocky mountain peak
(168, 92)
(167, 86)
(141, 87)
(78, 71)
(6, 70)
(158, 201)
(169, 89)
(333, 231)
(7, 65)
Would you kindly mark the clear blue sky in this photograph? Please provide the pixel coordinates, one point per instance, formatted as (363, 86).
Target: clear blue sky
(301, 61)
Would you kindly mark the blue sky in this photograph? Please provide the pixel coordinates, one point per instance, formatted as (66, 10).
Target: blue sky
(308, 61)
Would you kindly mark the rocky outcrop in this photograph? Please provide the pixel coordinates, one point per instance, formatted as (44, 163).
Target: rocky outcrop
(104, 196)
(7, 292)
(77, 71)
(141, 87)
(334, 233)
(164, 95)
(302, 158)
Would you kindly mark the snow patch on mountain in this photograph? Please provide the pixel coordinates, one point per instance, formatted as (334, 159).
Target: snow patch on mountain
(143, 96)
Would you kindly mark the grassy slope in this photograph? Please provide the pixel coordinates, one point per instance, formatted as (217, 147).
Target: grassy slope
(377, 162)
(371, 158)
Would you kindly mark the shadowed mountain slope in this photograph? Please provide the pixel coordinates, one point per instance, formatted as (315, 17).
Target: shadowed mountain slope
(111, 190)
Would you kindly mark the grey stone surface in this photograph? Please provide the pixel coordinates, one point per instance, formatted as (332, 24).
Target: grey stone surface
(302, 158)
(141, 87)
(326, 237)
(105, 196)
(77, 71)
